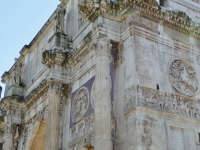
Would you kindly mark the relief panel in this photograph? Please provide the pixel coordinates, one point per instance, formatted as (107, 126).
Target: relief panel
(80, 104)
(183, 77)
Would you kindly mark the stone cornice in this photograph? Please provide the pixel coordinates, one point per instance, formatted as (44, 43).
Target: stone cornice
(176, 20)
(20, 103)
(80, 52)
(36, 93)
(64, 2)
(5, 76)
(12, 102)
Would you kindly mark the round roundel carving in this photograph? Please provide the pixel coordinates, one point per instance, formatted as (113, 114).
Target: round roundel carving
(80, 104)
(183, 77)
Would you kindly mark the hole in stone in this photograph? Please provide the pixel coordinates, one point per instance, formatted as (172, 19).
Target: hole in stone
(199, 137)
(157, 86)
(161, 2)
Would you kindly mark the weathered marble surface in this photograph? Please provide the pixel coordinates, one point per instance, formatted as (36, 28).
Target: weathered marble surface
(149, 101)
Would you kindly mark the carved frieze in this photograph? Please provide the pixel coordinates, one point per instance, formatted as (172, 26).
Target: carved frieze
(82, 128)
(183, 77)
(161, 101)
(80, 104)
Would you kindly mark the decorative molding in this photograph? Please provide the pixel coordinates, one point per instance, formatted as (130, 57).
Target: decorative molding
(176, 124)
(36, 93)
(177, 20)
(161, 101)
(177, 131)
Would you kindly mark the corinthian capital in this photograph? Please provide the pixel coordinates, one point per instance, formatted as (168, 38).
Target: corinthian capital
(55, 87)
(66, 93)
(102, 46)
(51, 58)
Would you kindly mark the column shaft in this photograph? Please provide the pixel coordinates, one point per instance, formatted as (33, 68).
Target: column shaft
(8, 137)
(8, 141)
(53, 119)
(103, 98)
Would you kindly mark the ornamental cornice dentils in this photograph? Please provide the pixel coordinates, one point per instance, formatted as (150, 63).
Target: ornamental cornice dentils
(177, 20)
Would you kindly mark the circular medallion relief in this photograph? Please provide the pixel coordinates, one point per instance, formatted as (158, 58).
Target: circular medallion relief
(80, 104)
(183, 77)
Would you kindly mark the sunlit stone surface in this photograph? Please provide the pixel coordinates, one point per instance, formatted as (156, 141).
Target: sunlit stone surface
(107, 75)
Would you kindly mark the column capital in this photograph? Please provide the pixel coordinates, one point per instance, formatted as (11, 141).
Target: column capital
(102, 46)
(55, 86)
(58, 87)
(51, 57)
(66, 93)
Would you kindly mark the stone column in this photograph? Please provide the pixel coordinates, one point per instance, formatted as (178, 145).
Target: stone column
(53, 119)
(9, 135)
(66, 118)
(102, 103)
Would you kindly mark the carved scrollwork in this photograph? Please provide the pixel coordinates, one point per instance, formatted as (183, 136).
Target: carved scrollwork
(183, 77)
(80, 104)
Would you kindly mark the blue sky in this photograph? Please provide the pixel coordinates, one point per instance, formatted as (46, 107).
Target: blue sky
(20, 21)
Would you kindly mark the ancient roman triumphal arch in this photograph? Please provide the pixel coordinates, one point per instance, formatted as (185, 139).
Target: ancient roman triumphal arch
(107, 75)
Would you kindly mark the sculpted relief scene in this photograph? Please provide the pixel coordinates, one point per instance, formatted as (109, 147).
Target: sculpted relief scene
(80, 104)
(184, 77)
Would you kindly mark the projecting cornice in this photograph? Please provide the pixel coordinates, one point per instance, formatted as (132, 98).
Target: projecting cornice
(12, 102)
(177, 20)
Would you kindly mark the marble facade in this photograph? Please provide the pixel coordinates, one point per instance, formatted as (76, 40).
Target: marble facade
(107, 75)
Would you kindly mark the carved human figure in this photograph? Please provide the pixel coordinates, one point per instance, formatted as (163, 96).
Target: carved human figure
(183, 77)
(17, 72)
(80, 104)
(60, 14)
(192, 109)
